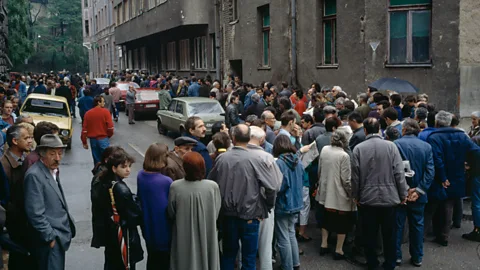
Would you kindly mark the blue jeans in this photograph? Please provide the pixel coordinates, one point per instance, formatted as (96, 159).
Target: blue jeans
(72, 108)
(476, 201)
(98, 146)
(286, 240)
(117, 107)
(235, 229)
(414, 212)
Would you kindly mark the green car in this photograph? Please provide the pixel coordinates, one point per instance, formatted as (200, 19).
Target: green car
(182, 108)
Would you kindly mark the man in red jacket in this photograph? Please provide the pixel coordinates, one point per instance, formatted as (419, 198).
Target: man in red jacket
(98, 127)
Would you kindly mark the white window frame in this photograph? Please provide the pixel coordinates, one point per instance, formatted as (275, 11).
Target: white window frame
(200, 52)
(184, 47)
(171, 56)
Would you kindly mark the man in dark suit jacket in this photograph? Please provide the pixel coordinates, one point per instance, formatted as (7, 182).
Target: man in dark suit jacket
(64, 91)
(46, 207)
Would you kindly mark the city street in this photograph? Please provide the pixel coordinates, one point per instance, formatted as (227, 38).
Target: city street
(76, 177)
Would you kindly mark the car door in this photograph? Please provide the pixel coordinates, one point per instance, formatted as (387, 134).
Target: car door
(167, 116)
(178, 117)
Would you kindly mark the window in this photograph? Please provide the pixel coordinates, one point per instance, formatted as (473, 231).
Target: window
(234, 10)
(171, 56)
(96, 23)
(179, 108)
(265, 13)
(87, 30)
(409, 31)
(213, 41)
(85, 3)
(200, 46)
(134, 8)
(126, 4)
(163, 57)
(172, 106)
(185, 54)
(120, 14)
(329, 26)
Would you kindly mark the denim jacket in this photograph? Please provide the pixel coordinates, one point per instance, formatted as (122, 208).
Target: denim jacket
(289, 198)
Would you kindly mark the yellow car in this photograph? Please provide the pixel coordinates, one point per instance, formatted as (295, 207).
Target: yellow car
(52, 109)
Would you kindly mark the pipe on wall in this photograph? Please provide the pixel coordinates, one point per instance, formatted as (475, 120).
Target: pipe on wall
(294, 42)
(217, 40)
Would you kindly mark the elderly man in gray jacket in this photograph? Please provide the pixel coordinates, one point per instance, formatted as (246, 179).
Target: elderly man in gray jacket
(46, 207)
(378, 187)
(248, 190)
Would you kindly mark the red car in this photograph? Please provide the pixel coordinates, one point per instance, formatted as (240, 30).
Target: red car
(123, 86)
(147, 103)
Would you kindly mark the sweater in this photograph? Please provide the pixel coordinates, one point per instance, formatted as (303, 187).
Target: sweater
(97, 123)
(153, 189)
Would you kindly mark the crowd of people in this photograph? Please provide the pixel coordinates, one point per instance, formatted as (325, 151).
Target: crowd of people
(363, 166)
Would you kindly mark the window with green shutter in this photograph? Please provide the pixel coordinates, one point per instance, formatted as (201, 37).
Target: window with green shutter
(409, 31)
(265, 13)
(329, 23)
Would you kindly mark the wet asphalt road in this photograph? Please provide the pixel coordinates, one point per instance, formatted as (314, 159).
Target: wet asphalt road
(76, 176)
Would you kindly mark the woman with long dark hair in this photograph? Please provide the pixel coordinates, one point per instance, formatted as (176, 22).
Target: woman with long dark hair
(122, 215)
(194, 205)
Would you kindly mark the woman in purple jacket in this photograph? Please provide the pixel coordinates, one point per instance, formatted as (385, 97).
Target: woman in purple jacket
(153, 188)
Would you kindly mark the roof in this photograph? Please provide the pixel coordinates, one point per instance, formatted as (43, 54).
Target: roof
(47, 97)
(196, 100)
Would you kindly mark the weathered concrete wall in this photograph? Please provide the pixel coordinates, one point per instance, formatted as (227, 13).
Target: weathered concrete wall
(246, 44)
(469, 57)
(171, 14)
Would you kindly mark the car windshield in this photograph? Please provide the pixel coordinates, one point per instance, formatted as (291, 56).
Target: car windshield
(204, 108)
(147, 96)
(48, 107)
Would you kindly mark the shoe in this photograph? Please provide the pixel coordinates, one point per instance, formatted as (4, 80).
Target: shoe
(301, 252)
(441, 242)
(301, 238)
(116, 119)
(415, 263)
(398, 262)
(473, 236)
(338, 257)
(324, 251)
(455, 226)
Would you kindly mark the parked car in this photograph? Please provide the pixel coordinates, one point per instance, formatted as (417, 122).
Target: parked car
(52, 109)
(182, 108)
(146, 104)
(103, 82)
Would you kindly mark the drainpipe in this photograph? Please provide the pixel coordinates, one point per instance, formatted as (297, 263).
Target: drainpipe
(217, 40)
(294, 42)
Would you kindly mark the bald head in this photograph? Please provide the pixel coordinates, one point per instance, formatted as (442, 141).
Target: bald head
(241, 134)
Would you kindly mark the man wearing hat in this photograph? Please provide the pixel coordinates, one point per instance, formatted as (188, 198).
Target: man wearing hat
(46, 207)
(174, 168)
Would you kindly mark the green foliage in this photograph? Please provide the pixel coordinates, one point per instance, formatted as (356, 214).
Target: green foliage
(59, 38)
(20, 47)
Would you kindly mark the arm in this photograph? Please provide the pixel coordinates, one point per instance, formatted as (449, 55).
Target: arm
(346, 175)
(35, 207)
(267, 176)
(109, 122)
(355, 174)
(440, 172)
(171, 208)
(429, 174)
(127, 207)
(399, 174)
(208, 161)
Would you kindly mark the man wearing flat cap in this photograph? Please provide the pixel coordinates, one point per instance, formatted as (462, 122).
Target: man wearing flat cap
(46, 207)
(174, 168)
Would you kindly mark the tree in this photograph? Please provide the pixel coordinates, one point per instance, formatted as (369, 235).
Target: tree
(59, 45)
(20, 47)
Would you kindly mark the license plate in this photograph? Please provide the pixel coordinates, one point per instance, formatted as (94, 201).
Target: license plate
(150, 106)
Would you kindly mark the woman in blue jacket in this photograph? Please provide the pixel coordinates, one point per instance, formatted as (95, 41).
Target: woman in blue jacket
(289, 201)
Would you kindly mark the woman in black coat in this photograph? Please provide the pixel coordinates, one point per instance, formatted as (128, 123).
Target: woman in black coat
(121, 211)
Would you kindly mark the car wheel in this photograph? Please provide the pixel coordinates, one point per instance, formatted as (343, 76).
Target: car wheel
(160, 128)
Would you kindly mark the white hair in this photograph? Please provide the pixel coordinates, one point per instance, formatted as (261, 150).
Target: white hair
(257, 133)
(443, 119)
(265, 114)
(476, 114)
(215, 84)
(181, 82)
(338, 88)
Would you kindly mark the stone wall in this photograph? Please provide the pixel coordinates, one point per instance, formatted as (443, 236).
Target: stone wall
(4, 63)
(469, 57)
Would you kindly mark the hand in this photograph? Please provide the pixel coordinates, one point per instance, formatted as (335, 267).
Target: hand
(356, 202)
(446, 184)
(305, 149)
(413, 197)
(52, 244)
(404, 201)
(85, 146)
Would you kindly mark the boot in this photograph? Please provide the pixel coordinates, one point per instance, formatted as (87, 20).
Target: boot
(473, 236)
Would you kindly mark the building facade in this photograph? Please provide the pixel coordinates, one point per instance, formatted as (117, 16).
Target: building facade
(167, 35)
(99, 37)
(353, 43)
